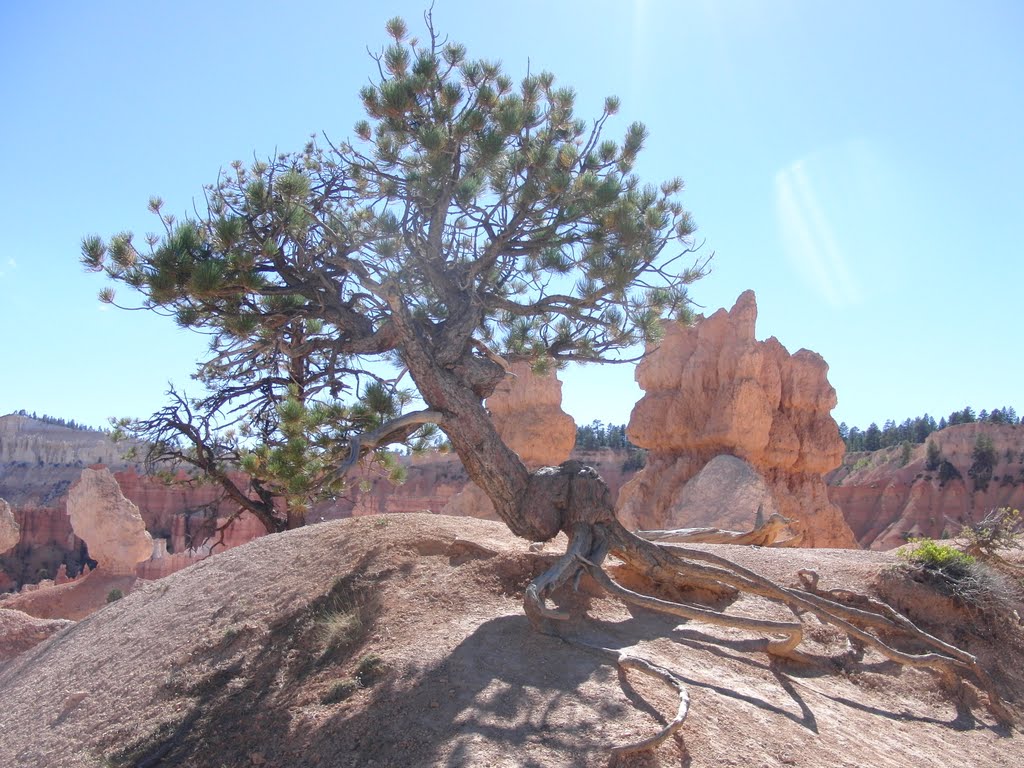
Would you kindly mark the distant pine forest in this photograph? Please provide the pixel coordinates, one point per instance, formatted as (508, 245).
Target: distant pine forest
(916, 430)
(57, 422)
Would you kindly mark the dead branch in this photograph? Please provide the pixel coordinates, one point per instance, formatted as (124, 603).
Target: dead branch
(763, 535)
(396, 430)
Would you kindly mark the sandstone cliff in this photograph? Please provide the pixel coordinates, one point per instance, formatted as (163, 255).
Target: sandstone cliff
(713, 389)
(885, 502)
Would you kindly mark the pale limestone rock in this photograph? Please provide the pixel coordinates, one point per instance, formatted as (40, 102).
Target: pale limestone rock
(9, 531)
(713, 389)
(726, 489)
(526, 408)
(108, 523)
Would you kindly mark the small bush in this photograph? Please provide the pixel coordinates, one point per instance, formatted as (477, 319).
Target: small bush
(340, 691)
(114, 595)
(370, 669)
(338, 629)
(948, 472)
(341, 619)
(999, 529)
(905, 451)
(964, 577)
(937, 557)
(862, 463)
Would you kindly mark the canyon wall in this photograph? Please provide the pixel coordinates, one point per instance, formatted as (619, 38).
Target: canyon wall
(712, 389)
(177, 513)
(886, 501)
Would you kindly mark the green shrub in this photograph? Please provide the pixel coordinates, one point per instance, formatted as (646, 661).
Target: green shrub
(973, 582)
(905, 450)
(340, 691)
(370, 669)
(114, 595)
(937, 557)
(948, 472)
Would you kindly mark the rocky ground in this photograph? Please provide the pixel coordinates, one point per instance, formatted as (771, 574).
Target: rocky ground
(391, 641)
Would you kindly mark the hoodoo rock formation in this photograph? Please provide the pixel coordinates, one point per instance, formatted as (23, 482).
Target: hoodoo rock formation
(527, 411)
(712, 389)
(108, 523)
(9, 531)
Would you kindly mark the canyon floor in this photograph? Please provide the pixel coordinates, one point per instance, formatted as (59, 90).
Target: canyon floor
(391, 641)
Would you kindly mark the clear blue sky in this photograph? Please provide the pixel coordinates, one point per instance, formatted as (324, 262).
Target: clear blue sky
(858, 165)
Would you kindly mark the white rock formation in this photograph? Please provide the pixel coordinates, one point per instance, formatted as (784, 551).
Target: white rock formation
(9, 531)
(108, 523)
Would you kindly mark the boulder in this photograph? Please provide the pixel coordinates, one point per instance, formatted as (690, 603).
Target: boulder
(9, 531)
(712, 389)
(108, 523)
(727, 490)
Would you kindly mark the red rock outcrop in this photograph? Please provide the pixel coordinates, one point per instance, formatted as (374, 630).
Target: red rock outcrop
(713, 389)
(19, 632)
(526, 408)
(527, 411)
(10, 532)
(885, 502)
(108, 523)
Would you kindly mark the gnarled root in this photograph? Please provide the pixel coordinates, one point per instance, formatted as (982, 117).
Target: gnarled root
(946, 660)
(627, 661)
(859, 618)
(583, 545)
(594, 533)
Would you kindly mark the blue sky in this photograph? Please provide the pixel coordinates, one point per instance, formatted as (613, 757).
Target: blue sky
(858, 165)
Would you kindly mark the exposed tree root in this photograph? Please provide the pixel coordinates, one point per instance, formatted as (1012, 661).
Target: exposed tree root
(594, 533)
(627, 661)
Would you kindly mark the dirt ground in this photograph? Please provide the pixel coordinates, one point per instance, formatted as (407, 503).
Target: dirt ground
(389, 641)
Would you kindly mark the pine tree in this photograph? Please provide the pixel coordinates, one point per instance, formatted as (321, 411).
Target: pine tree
(471, 221)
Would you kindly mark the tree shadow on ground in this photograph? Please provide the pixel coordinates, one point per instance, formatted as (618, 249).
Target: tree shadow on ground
(506, 685)
(505, 695)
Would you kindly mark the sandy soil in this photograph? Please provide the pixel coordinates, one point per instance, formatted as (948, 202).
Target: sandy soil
(387, 642)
